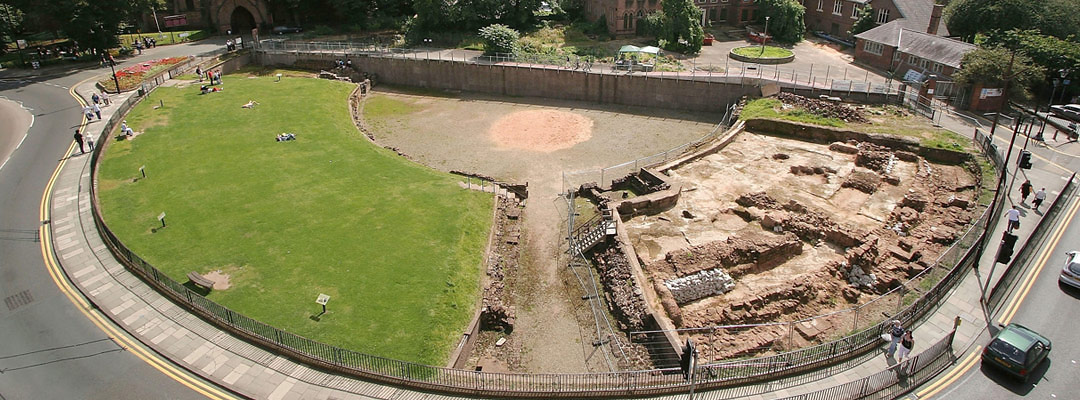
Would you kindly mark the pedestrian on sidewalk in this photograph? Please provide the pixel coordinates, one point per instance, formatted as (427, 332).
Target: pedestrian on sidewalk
(906, 343)
(896, 333)
(97, 111)
(1039, 197)
(95, 98)
(1014, 219)
(90, 142)
(105, 97)
(78, 139)
(89, 113)
(1025, 190)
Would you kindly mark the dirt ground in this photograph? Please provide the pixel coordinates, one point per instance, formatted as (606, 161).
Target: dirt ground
(713, 225)
(455, 132)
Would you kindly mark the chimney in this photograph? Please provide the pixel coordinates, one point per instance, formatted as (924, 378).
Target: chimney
(935, 19)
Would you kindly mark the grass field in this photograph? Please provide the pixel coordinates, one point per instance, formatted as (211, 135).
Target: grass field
(396, 245)
(755, 51)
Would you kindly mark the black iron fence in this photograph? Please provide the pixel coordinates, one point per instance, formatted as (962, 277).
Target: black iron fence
(475, 383)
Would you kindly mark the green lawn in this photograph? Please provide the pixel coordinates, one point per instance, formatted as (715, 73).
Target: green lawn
(396, 245)
(755, 51)
(164, 38)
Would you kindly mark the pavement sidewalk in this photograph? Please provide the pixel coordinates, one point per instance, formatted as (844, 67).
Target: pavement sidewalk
(251, 371)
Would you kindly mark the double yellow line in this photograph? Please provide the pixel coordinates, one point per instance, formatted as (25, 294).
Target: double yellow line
(138, 349)
(1010, 310)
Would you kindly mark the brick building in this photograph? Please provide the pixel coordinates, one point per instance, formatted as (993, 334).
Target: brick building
(621, 15)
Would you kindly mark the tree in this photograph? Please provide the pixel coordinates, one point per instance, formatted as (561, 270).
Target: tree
(968, 18)
(865, 21)
(1048, 51)
(990, 67)
(499, 38)
(786, 19)
(649, 25)
(681, 30)
(11, 19)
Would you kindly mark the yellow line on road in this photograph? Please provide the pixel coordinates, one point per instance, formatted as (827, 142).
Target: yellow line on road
(1029, 279)
(950, 377)
(98, 319)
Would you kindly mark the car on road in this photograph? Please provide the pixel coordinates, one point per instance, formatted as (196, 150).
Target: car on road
(1016, 350)
(281, 30)
(1068, 111)
(1070, 273)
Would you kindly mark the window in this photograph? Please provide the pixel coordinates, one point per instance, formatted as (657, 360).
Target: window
(854, 12)
(883, 16)
(896, 55)
(938, 67)
(819, 4)
(924, 63)
(838, 7)
(913, 60)
(873, 47)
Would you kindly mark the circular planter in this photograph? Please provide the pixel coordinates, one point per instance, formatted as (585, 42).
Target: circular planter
(762, 60)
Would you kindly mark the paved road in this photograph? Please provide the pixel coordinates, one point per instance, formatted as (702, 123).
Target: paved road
(50, 350)
(1051, 310)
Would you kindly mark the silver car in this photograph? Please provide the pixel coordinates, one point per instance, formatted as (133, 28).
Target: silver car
(1070, 274)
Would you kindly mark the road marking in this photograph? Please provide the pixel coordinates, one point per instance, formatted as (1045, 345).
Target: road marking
(136, 348)
(950, 377)
(25, 134)
(1029, 279)
(1006, 141)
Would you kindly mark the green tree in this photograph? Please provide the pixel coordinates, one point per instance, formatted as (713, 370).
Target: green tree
(786, 19)
(865, 21)
(1058, 18)
(649, 25)
(499, 38)
(1048, 51)
(681, 30)
(990, 66)
(11, 20)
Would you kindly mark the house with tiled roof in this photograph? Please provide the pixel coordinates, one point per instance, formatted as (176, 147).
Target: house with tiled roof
(907, 45)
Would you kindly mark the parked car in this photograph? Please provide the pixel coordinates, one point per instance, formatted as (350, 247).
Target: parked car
(1016, 350)
(1067, 111)
(1070, 274)
(281, 30)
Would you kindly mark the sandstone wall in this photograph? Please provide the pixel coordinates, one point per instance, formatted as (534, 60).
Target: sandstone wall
(823, 134)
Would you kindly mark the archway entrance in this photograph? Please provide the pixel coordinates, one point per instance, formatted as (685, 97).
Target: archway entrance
(241, 20)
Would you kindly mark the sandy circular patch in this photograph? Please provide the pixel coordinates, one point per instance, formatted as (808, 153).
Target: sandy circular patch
(541, 130)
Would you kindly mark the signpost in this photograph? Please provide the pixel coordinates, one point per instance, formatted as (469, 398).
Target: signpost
(162, 219)
(142, 170)
(322, 300)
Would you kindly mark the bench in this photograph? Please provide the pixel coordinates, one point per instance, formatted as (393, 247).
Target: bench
(200, 280)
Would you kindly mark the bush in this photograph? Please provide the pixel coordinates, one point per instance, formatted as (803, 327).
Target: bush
(499, 38)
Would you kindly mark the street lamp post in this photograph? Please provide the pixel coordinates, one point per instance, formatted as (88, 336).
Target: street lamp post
(765, 37)
(114, 78)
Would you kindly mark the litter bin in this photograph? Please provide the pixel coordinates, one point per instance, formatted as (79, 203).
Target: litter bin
(142, 91)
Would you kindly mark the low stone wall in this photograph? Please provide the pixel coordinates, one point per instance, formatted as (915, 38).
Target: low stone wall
(702, 284)
(653, 202)
(823, 134)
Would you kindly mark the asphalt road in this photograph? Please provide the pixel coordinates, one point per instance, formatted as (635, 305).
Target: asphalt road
(49, 349)
(1051, 309)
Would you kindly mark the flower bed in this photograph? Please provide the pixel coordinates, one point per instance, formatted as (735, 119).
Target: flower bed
(132, 76)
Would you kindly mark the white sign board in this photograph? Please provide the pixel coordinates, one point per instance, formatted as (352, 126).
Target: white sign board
(989, 92)
(913, 76)
(239, 40)
(161, 217)
(323, 299)
(21, 44)
(185, 34)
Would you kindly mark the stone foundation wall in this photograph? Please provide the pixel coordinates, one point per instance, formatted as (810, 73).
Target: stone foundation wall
(822, 134)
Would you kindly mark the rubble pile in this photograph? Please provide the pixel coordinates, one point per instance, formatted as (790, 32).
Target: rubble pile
(823, 108)
(876, 158)
(863, 181)
(710, 282)
(624, 296)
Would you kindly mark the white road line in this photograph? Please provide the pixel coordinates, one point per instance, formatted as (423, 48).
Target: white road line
(27, 133)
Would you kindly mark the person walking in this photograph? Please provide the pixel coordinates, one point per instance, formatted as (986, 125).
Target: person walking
(1025, 190)
(1013, 216)
(906, 343)
(1039, 197)
(198, 72)
(105, 97)
(95, 98)
(79, 140)
(896, 333)
(97, 111)
(90, 143)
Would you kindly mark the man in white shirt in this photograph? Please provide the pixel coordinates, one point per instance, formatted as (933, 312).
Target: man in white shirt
(1014, 219)
(1039, 197)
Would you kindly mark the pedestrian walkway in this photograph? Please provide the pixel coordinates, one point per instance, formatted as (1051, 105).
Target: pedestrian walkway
(251, 371)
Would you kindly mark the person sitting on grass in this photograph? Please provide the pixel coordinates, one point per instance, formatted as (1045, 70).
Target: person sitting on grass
(250, 104)
(286, 137)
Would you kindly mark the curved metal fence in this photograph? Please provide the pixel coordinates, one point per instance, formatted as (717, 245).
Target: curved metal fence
(476, 383)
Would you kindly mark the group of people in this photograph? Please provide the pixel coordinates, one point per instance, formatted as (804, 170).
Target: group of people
(79, 140)
(230, 45)
(901, 341)
(1013, 215)
(284, 137)
(341, 64)
(212, 76)
(145, 43)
